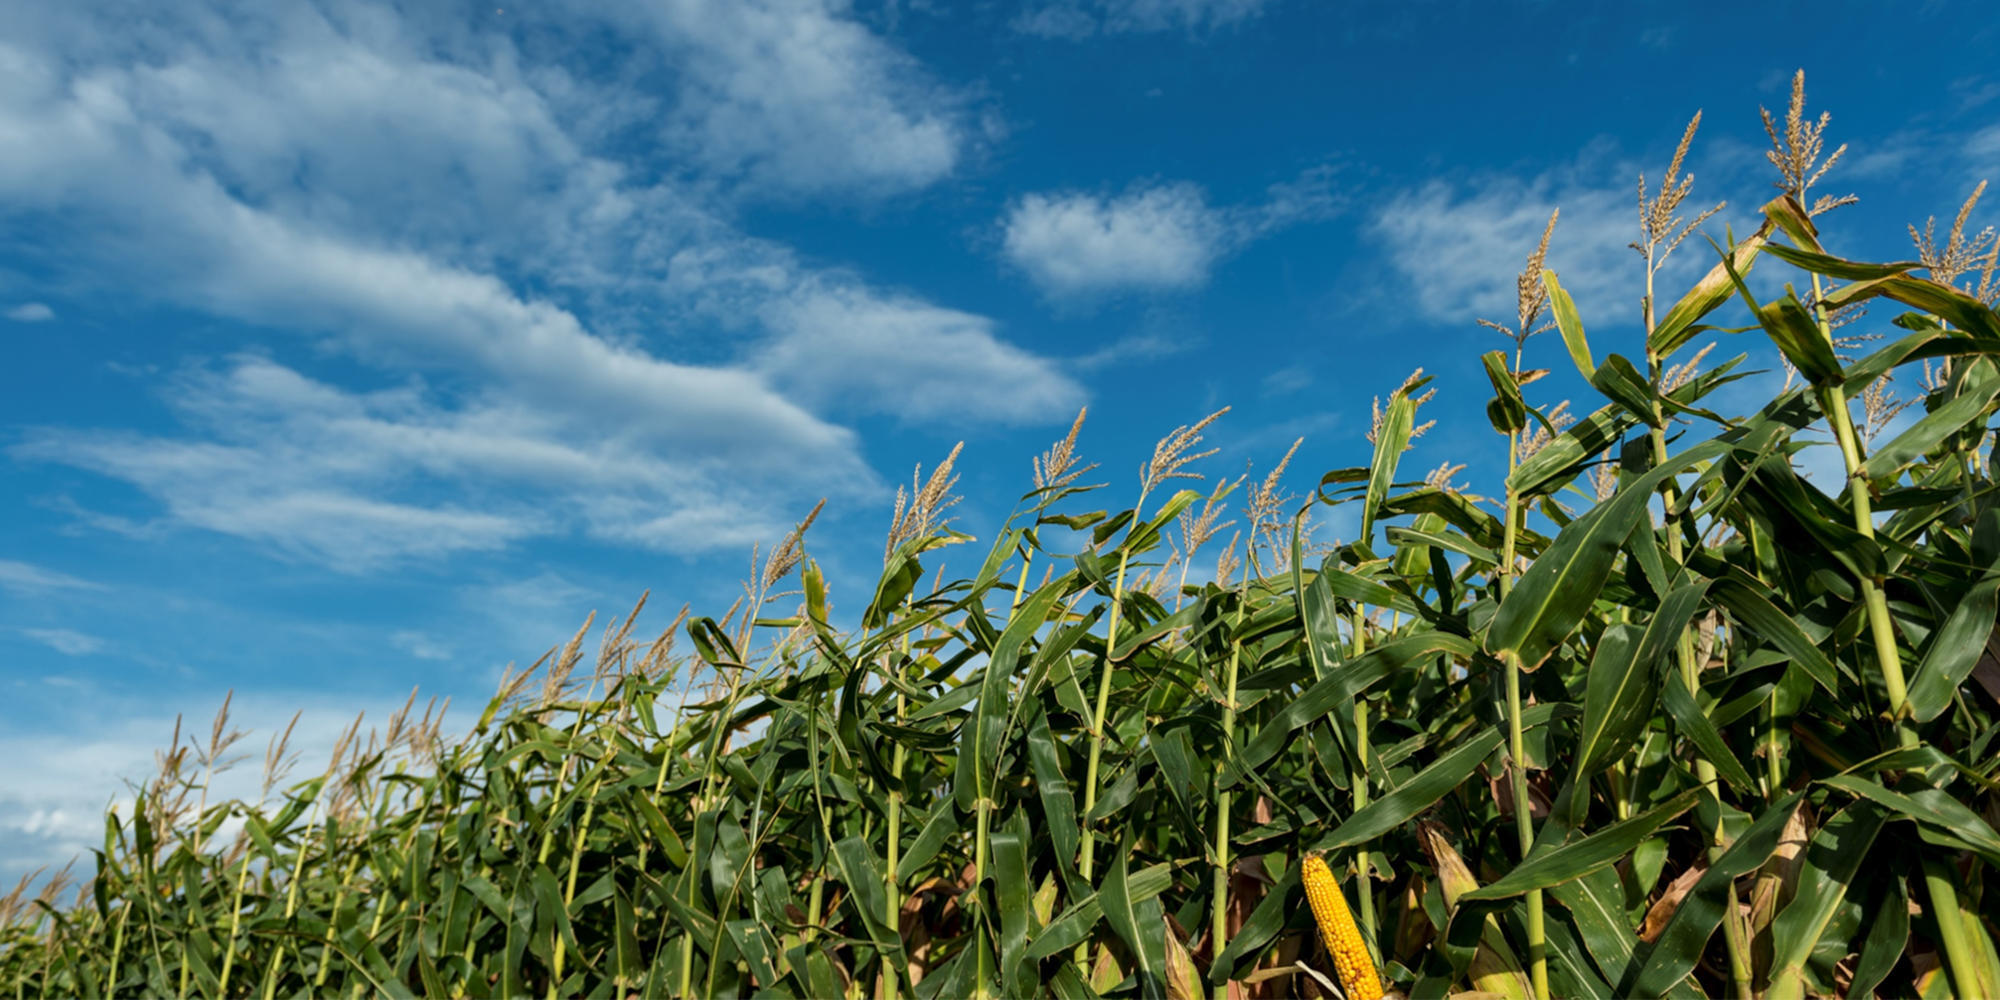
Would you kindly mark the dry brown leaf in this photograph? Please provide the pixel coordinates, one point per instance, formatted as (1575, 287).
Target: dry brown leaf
(1669, 901)
(1779, 877)
(1182, 983)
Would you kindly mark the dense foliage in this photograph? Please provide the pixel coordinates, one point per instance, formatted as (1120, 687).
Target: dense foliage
(1664, 719)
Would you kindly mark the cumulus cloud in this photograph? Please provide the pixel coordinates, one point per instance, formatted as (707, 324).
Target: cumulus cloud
(800, 96)
(1158, 237)
(1076, 20)
(1153, 237)
(1460, 246)
(477, 207)
(874, 353)
(31, 312)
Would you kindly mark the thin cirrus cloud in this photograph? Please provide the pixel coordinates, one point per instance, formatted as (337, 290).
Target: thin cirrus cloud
(361, 480)
(65, 641)
(364, 179)
(1154, 237)
(1076, 20)
(21, 578)
(31, 312)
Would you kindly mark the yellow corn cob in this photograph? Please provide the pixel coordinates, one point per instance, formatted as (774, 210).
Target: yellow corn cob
(1337, 929)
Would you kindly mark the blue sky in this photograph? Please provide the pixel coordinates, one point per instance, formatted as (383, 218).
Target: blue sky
(354, 346)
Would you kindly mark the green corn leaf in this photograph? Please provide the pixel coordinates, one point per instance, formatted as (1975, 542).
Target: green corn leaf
(1429, 785)
(1392, 438)
(1122, 914)
(1888, 937)
(1694, 724)
(1621, 383)
(1971, 409)
(1675, 327)
(1012, 888)
(1957, 646)
(1557, 591)
(1756, 612)
(1507, 411)
(1681, 942)
(1831, 864)
(1548, 469)
(1567, 321)
(1622, 680)
(1545, 867)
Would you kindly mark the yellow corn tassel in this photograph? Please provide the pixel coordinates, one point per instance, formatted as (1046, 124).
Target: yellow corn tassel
(1337, 929)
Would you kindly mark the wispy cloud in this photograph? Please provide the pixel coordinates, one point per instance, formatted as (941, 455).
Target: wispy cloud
(1982, 148)
(1152, 237)
(537, 219)
(65, 641)
(911, 359)
(26, 578)
(1075, 20)
(1287, 380)
(799, 96)
(1460, 245)
(31, 312)
(358, 481)
(420, 645)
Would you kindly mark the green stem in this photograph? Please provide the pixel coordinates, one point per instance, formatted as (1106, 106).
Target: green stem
(1363, 885)
(1960, 962)
(333, 921)
(235, 925)
(118, 949)
(1086, 862)
(1684, 654)
(1219, 913)
(985, 810)
(1524, 819)
(1524, 826)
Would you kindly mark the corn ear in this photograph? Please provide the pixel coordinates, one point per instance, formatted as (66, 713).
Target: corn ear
(1338, 931)
(1495, 968)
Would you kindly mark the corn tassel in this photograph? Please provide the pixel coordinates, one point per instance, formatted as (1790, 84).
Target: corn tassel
(1337, 929)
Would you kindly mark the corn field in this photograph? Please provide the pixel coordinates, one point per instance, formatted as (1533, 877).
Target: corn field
(1663, 718)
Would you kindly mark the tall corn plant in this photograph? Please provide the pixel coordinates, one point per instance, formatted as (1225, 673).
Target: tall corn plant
(1663, 717)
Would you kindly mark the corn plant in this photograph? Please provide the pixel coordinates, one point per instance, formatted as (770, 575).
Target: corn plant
(1665, 717)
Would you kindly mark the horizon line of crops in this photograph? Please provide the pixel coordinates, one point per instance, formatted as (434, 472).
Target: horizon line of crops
(1663, 719)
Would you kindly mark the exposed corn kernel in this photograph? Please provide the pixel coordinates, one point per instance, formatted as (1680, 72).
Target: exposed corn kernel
(1338, 931)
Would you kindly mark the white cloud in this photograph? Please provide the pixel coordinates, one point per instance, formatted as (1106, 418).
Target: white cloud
(872, 353)
(358, 481)
(437, 198)
(1460, 246)
(64, 641)
(800, 96)
(1983, 148)
(1154, 237)
(1287, 380)
(31, 312)
(1079, 19)
(420, 645)
(26, 578)
(62, 776)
